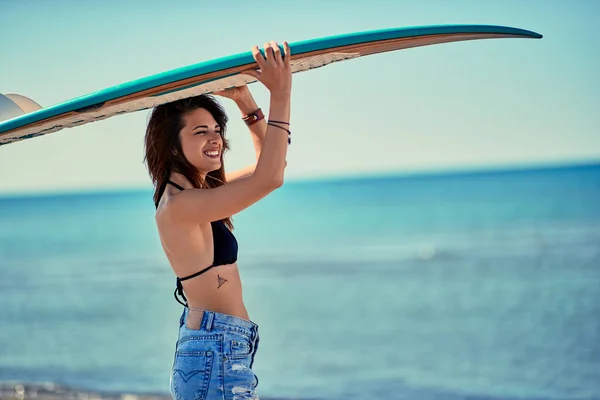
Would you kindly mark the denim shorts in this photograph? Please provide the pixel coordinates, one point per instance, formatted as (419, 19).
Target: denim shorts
(215, 361)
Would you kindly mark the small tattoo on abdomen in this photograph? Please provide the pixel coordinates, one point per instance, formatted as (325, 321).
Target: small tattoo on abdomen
(221, 281)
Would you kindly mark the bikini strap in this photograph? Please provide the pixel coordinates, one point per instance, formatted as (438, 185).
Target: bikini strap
(174, 184)
(179, 288)
(196, 274)
(162, 190)
(179, 291)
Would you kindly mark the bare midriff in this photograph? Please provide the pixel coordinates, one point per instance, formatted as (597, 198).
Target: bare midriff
(219, 289)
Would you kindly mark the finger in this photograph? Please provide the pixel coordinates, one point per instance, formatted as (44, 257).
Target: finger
(226, 90)
(253, 73)
(268, 51)
(258, 57)
(276, 52)
(228, 93)
(287, 53)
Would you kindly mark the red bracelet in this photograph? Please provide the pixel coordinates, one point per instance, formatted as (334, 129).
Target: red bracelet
(253, 117)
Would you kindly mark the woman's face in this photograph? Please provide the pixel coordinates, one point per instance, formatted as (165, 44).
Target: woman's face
(201, 141)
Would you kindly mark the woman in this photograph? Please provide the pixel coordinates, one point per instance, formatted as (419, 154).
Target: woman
(195, 200)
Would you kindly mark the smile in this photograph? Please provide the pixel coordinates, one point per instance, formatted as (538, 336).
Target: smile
(212, 153)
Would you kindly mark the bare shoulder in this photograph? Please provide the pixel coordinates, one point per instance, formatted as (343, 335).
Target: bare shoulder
(165, 213)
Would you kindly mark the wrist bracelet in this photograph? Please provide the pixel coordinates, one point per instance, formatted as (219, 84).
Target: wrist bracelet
(279, 122)
(253, 117)
(274, 123)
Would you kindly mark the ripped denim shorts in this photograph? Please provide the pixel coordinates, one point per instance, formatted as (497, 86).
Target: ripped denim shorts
(214, 359)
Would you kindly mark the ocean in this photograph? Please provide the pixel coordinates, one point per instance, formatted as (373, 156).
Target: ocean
(473, 285)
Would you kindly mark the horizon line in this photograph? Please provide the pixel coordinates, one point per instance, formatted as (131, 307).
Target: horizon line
(336, 178)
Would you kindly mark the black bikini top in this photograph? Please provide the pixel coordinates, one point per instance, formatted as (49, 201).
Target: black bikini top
(225, 248)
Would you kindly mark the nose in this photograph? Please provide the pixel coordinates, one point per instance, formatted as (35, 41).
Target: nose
(215, 138)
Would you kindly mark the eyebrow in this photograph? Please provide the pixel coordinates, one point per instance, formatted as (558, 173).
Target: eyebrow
(205, 127)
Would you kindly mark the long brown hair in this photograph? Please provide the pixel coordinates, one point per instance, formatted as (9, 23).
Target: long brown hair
(163, 152)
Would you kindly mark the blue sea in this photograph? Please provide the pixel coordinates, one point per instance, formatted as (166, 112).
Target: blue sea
(472, 285)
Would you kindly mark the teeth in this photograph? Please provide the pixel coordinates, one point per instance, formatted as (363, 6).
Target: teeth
(212, 153)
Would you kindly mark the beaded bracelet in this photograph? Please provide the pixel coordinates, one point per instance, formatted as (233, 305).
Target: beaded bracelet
(274, 123)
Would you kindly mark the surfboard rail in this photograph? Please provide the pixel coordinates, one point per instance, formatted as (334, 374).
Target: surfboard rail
(206, 77)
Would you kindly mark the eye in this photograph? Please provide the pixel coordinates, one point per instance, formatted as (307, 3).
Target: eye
(200, 133)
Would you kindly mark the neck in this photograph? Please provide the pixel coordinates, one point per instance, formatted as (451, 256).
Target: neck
(184, 182)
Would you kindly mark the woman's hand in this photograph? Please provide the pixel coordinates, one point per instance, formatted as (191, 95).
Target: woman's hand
(237, 94)
(275, 70)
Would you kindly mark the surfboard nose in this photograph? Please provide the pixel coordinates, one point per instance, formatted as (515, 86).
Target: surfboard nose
(14, 105)
(8, 108)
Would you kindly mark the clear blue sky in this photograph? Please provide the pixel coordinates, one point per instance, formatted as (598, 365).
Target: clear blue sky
(465, 105)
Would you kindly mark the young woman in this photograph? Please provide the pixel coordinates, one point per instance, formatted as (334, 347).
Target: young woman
(195, 200)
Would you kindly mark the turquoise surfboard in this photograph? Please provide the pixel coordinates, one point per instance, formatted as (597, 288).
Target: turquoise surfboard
(22, 118)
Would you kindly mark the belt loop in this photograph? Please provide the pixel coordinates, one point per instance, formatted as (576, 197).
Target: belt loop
(209, 320)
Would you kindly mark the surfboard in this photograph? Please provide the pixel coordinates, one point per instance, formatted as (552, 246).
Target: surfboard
(22, 118)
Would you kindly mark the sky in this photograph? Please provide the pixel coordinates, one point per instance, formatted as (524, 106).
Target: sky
(460, 106)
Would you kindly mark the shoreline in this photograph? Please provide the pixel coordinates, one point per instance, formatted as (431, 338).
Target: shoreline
(15, 390)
